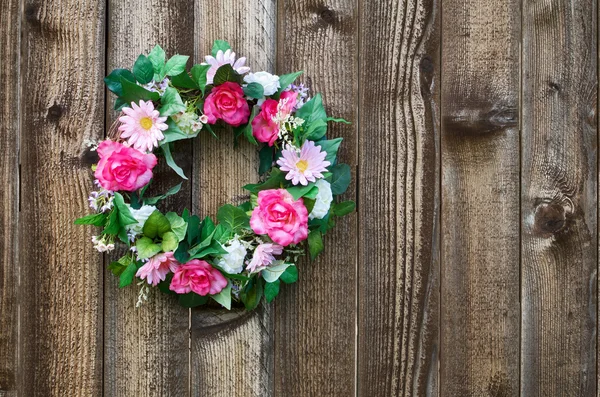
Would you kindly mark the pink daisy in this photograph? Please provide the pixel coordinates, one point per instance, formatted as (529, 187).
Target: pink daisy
(222, 58)
(304, 167)
(157, 268)
(263, 256)
(142, 126)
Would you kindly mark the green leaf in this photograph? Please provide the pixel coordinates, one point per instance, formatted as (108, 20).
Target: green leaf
(220, 45)
(117, 268)
(246, 129)
(331, 147)
(112, 227)
(113, 80)
(309, 204)
(340, 178)
(170, 192)
(310, 190)
(181, 253)
(146, 248)
(254, 90)
(233, 218)
(252, 293)
(221, 235)
(143, 70)
(183, 80)
(290, 275)
(315, 243)
(276, 178)
(285, 80)
(193, 230)
(271, 290)
(128, 274)
(338, 120)
(312, 110)
(266, 159)
(157, 57)
(170, 242)
(343, 208)
(171, 102)
(199, 76)
(208, 228)
(192, 300)
(134, 93)
(173, 133)
(125, 216)
(170, 162)
(178, 225)
(226, 73)
(213, 249)
(156, 225)
(93, 219)
(275, 270)
(176, 65)
(163, 286)
(224, 297)
(315, 131)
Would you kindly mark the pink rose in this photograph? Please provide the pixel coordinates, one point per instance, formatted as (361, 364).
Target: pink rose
(122, 167)
(264, 128)
(226, 102)
(157, 268)
(279, 216)
(198, 276)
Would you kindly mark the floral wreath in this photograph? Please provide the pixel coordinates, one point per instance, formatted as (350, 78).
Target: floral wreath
(254, 246)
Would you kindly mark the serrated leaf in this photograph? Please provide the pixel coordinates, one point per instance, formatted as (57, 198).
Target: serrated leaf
(157, 57)
(224, 297)
(199, 76)
(290, 275)
(315, 243)
(274, 270)
(134, 93)
(170, 162)
(344, 208)
(219, 45)
(192, 299)
(226, 73)
(171, 102)
(271, 290)
(176, 65)
(156, 225)
(285, 80)
(113, 80)
(93, 219)
(254, 90)
(315, 130)
(233, 218)
(146, 248)
(340, 178)
(143, 70)
(128, 274)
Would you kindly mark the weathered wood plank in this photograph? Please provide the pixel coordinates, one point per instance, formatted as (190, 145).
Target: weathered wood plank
(315, 318)
(10, 38)
(559, 199)
(398, 340)
(147, 348)
(480, 310)
(60, 342)
(231, 352)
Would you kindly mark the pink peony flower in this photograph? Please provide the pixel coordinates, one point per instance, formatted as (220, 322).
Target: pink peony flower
(227, 102)
(197, 276)
(279, 216)
(223, 58)
(142, 126)
(263, 256)
(122, 167)
(265, 126)
(157, 268)
(305, 166)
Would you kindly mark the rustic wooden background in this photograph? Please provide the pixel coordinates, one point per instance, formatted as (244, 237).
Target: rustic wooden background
(469, 268)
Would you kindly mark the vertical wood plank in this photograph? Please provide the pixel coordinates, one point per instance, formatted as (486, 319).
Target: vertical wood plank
(231, 352)
(315, 318)
(398, 340)
(60, 343)
(559, 199)
(10, 38)
(480, 198)
(147, 348)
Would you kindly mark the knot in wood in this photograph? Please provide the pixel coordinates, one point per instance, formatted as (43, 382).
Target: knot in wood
(54, 112)
(550, 218)
(327, 15)
(31, 11)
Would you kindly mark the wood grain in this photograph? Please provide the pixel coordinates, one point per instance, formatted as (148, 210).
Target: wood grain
(398, 340)
(315, 319)
(60, 343)
(10, 38)
(231, 352)
(146, 350)
(559, 199)
(480, 310)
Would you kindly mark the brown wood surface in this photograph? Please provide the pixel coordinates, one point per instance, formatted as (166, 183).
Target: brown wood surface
(60, 341)
(398, 339)
(231, 353)
(315, 319)
(480, 312)
(559, 199)
(10, 35)
(146, 349)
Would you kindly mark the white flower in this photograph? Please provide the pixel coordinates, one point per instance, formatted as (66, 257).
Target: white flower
(322, 201)
(270, 82)
(189, 122)
(233, 261)
(101, 245)
(141, 216)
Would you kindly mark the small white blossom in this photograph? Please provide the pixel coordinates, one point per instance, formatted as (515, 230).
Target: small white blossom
(269, 82)
(159, 87)
(233, 261)
(101, 244)
(189, 122)
(322, 201)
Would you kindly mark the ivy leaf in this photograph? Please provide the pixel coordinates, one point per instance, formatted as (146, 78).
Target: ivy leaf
(284, 81)
(170, 192)
(178, 225)
(224, 297)
(117, 268)
(266, 159)
(275, 270)
(192, 299)
(254, 90)
(170, 242)
(146, 248)
(143, 70)
(252, 293)
(128, 274)
(310, 190)
(113, 80)
(156, 225)
(176, 65)
(271, 290)
(340, 178)
(290, 275)
(226, 73)
(125, 216)
(171, 102)
(315, 243)
(343, 208)
(220, 45)
(199, 76)
(170, 162)
(233, 218)
(93, 219)
(157, 57)
(331, 147)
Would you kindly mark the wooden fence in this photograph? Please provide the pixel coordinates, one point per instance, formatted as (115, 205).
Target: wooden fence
(469, 268)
